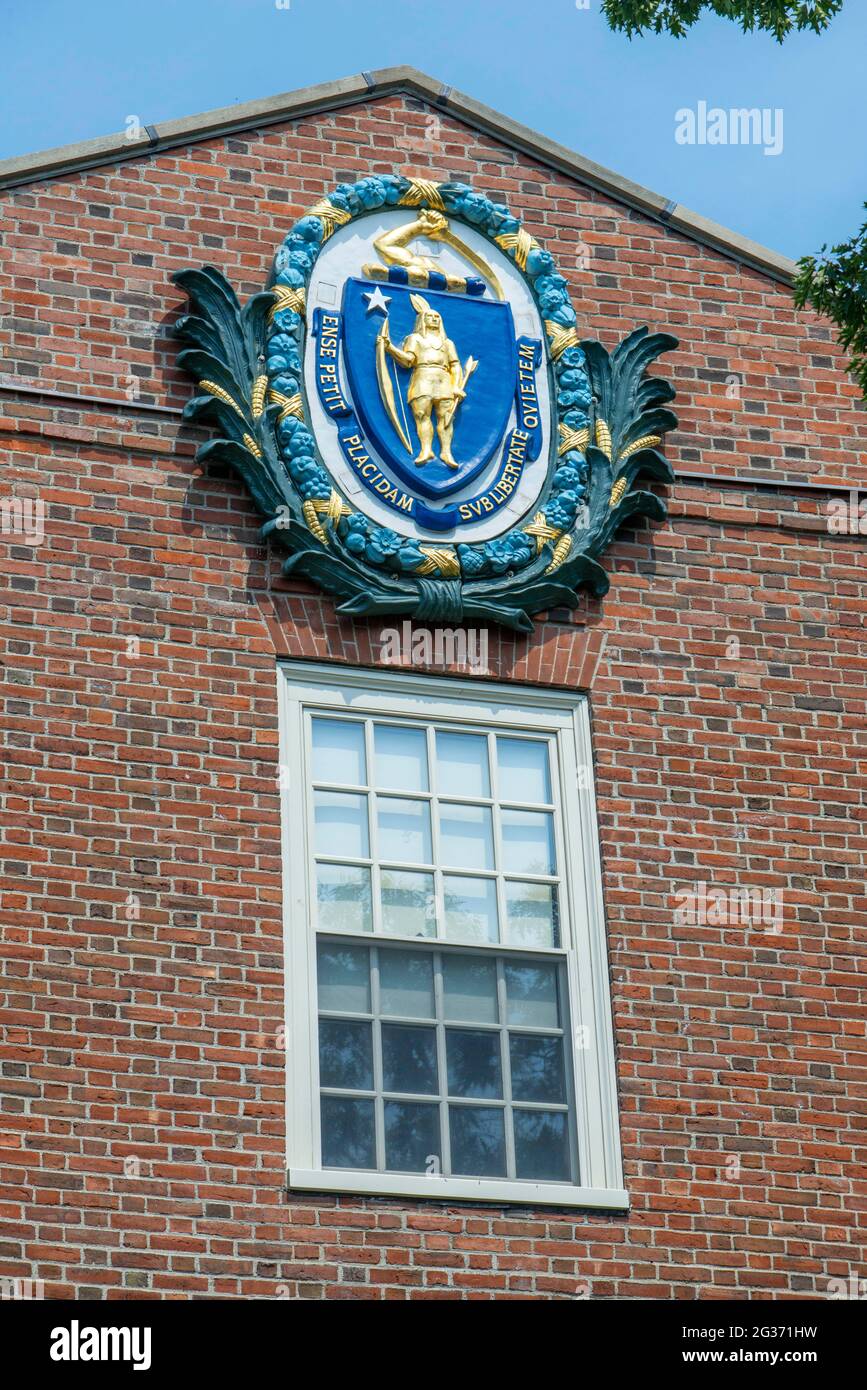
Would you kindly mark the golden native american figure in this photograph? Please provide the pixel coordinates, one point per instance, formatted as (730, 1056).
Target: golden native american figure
(437, 383)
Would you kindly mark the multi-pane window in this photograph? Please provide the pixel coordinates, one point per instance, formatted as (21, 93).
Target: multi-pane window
(438, 1061)
(427, 831)
(449, 1024)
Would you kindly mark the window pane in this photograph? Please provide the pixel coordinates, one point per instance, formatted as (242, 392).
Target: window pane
(408, 903)
(537, 1068)
(522, 770)
(341, 824)
(344, 978)
(528, 842)
(531, 992)
(470, 908)
(541, 1145)
(345, 1054)
(406, 983)
(404, 830)
(347, 1133)
(478, 1140)
(466, 837)
(531, 913)
(343, 898)
(462, 765)
(473, 1059)
(338, 752)
(401, 758)
(470, 988)
(412, 1137)
(409, 1059)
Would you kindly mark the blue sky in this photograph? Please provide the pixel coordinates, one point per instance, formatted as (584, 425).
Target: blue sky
(73, 71)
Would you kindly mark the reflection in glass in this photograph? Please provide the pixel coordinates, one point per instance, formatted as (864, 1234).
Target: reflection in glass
(404, 830)
(343, 898)
(345, 1054)
(462, 765)
(522, 770)
(408, 903)
(470, 908)
(412, 1137)
(473, 1060)
(470, 988)
(347, 1133)
(406, 985)
(409, 1059)
(401, 757)
(338, 752)
(341, 824)
(531, 914)
(531, 992)
(537, 1067)
(466, 837)
(478, 1140)
(344, 978)
(541, 1145)
(528, 842)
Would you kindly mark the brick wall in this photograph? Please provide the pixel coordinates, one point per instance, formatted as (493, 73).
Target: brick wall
(143, 1086)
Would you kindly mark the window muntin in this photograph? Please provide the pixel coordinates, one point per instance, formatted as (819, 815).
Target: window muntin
(424, 830)
(542, 766)
(437, 1061)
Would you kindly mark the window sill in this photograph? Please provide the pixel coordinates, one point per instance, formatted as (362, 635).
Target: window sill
(503, 1192)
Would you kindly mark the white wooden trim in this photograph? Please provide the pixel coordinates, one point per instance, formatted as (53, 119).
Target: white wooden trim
(598, 939)
(359, 687)
(526, 1194)
(559, 714)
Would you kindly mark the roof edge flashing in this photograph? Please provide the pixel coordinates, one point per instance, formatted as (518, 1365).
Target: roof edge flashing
(66, 160)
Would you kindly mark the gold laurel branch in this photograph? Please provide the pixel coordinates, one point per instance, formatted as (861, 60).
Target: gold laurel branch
(573, 439)
(214, 390)
(520, 242)
(288, 298)
(560, 338)
(446, 561)
(541, 531)
(252, 445)
(257, 395)
(617, 491)
(422, 191)
(603, 438)
(647, 441)
(561, 552)
(329, 216)
(292, 405)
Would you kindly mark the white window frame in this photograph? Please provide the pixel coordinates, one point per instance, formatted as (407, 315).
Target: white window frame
(566, 716)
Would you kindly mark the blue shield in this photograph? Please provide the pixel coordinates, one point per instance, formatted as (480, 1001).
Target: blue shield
(481, 328)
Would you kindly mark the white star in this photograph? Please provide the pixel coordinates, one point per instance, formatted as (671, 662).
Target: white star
(377, 300)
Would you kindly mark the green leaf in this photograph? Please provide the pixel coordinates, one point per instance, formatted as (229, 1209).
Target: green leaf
(625, 395)
(202, 366)
(835, 284)
(675, 17)
(269, 492)
(216, 302)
